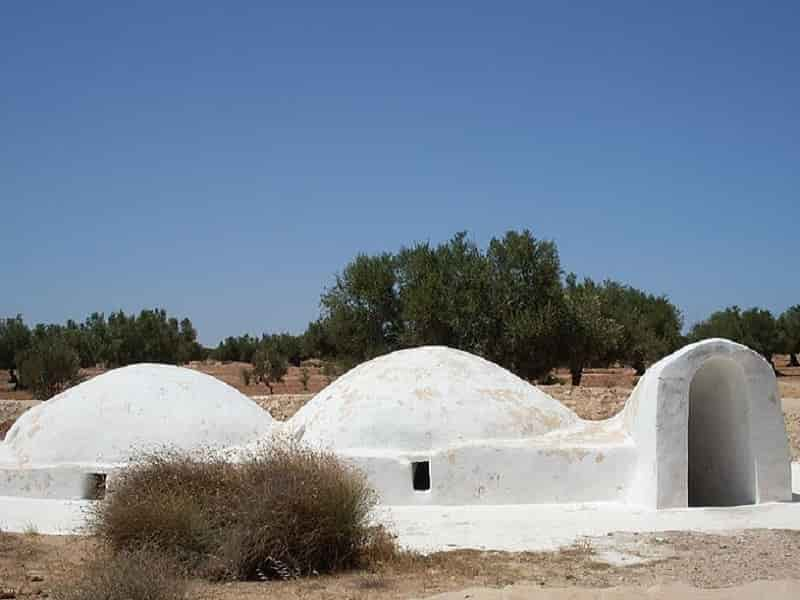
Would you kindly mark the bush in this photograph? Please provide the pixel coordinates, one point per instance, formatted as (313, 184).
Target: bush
(285, 511)
(296, 511)
(137, 575)
(166, 501)
(48, 367)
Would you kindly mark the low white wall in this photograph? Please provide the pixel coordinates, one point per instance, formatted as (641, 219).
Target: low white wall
(58, 482)
(511, 473)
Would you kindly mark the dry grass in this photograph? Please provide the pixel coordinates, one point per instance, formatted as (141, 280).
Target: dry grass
(168, 501)
(296, 511)
(284, 512)
(129, 575)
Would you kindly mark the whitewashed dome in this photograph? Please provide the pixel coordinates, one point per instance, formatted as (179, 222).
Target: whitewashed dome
(130, 409)
(426, 398)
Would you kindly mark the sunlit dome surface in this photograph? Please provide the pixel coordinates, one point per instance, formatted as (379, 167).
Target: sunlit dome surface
(134, 408)
(425, 398)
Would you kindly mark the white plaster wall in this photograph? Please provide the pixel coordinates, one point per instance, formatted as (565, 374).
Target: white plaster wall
(495, 474)
(657, 416)
(135, 408)
(63, 482)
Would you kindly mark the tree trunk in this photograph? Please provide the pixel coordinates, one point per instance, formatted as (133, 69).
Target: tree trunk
(793, 360)
(577, 372)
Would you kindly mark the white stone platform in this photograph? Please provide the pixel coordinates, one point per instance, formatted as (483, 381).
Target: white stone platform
(508, 527)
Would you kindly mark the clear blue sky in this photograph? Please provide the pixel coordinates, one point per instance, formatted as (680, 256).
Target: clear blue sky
(225, 160)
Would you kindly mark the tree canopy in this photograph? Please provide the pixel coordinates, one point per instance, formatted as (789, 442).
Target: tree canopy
(508, 302)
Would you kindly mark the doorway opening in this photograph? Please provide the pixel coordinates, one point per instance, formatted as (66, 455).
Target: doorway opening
(721, 465)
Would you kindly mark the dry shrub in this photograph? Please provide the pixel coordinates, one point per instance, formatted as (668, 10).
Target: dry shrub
(296, 511)
(127, 575)
(168, 501)
(283, 512)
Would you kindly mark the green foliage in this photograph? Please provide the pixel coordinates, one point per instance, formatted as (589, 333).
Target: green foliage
(650, 325)
(290, 347)
(761, 332)
(526, 304)
(503, 304)
(588, 332)
(280, 512)
(755, 328)
(725, 323)
(232, 349)
(362, 310)
(445, 293)
(151, 336)
(269, 366)
(789, 332)
(15, 337)
(508, 304)
(316, 341)
(49, 365)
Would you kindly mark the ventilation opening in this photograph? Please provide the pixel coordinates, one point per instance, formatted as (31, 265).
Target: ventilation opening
(721, 465)
(95, 486)
(421, 475)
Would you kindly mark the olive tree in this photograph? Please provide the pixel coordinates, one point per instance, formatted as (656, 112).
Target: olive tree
(15, 337)
(789, 328)
(445, 295)
(362, 310)
(650, 325)
(269, 366)
(588, 333)
(48, 366)
(526, 304)
(756, 328)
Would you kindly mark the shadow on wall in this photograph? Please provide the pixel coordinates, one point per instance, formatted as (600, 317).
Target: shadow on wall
(721, 463)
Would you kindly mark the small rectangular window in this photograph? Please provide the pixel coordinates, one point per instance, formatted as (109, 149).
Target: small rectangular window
(421, 475)
(95, 486)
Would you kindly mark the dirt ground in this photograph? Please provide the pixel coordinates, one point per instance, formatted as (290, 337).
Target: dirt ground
(229, 372)
(31, 566)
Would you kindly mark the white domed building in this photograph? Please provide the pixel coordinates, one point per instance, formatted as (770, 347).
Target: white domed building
(66, 447)
(437, 426)
(434, 425)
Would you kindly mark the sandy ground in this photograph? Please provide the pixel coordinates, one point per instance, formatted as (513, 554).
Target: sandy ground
(308, 378)
(32, 565)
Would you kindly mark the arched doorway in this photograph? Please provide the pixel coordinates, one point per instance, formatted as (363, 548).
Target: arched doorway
(721, 465)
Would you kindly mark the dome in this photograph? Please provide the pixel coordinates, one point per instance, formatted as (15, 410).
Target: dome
(134, 408)
(427, 398)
